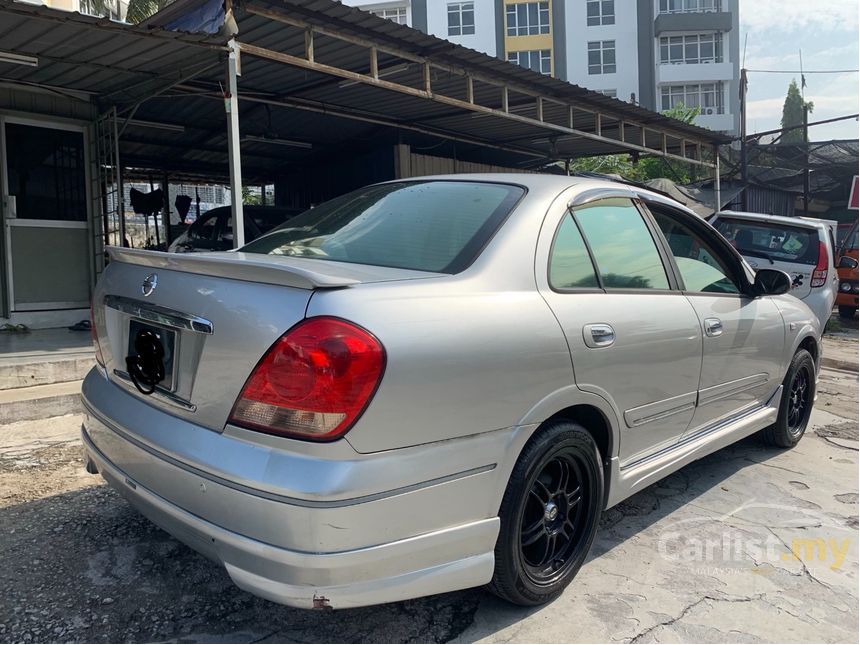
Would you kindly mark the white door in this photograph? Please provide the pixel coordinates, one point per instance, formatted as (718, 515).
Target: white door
(43, 176)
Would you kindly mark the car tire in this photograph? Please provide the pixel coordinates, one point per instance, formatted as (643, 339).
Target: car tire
(549, 514)
(847, 312)
(795, 407)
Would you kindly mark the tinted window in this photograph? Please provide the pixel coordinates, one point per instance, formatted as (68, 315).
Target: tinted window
(774, 241)
(700, 266)
(206, 228)
(569, 265)
(624, 251)
(427, 226)
(267, 219)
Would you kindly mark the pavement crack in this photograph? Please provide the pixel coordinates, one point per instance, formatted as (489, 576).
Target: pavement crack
(803, 566)
(671, 621)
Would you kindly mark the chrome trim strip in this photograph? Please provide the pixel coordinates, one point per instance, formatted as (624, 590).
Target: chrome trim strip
(730, 388)
(283, 499)
(718, 425)
(649, 412)
(158, 314)
(594, 194)
(160, 393)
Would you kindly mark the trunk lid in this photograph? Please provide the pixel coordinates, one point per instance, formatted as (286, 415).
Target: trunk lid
(214, 315)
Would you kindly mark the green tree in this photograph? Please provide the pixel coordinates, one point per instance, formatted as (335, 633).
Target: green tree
(648, 167)
(792, 114)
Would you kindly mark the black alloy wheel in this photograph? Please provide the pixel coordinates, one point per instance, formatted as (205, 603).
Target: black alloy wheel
(795, 406)
(548, 515)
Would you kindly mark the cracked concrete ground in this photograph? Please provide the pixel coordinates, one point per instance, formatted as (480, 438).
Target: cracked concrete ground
(749, 544)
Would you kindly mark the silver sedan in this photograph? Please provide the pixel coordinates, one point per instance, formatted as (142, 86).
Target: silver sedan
(436, 383)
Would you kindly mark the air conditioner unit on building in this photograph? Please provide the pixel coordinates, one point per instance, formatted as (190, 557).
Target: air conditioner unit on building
(708, 111)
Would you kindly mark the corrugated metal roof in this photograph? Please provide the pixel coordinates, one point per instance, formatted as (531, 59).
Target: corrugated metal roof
(122, 64)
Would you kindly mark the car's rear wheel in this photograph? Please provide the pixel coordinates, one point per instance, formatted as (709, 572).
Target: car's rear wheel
(847, 311)
(795, 407)
(548, 515)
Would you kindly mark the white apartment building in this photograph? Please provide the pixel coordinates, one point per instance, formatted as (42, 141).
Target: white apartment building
(656, 53)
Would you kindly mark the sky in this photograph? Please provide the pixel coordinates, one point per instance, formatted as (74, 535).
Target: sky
(826, 31)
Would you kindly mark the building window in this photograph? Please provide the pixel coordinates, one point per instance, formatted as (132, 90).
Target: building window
(600, 12)
(691, 49)
(690, 6)
(395, 14)
(528, 18)
(601, 57)
(538, 60)
(708, 97)
(461, 18)
(613, 94)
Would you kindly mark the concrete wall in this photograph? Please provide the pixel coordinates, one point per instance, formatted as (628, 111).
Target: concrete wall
(484, 38)
(625, 81)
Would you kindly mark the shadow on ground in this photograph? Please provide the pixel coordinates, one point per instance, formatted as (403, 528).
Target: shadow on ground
(83, 566)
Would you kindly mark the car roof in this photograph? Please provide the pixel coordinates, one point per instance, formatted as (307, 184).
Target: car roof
(554, 184)
(805, 222)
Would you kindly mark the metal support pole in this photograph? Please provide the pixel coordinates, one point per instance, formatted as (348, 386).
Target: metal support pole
(231, 105)
(744, 151)
(717, 193)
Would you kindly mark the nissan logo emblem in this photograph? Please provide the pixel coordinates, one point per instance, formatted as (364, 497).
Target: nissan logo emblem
(149, 284)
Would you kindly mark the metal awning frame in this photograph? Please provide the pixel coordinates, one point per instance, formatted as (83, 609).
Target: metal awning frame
(702, 153)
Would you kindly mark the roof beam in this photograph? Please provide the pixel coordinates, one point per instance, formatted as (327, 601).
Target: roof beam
(427, 94)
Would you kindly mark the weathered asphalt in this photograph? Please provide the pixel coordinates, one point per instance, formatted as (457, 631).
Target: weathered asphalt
(749, 544)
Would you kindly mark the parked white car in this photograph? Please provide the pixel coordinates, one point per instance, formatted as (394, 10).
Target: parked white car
(803, 247)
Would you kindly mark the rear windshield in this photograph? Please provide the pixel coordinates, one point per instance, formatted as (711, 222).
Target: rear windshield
(770, 240)
(438, 226)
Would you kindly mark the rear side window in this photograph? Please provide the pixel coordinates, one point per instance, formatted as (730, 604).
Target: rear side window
(438, 226)
(569, 265)
(623, 248)
(771, 240)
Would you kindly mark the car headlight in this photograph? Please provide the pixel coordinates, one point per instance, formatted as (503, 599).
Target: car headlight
(845, 286)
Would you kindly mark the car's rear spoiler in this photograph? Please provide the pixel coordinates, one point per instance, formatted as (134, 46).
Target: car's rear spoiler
(301, 273)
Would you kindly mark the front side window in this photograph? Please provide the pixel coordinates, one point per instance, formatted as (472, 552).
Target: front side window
(771, 241)
(438, 226)
(700, 266)
(600, 12)
(570, 266)
(538, 60)
(691, 49)
(624, 250)
(527, 18)
(601, 57)
(461, 18)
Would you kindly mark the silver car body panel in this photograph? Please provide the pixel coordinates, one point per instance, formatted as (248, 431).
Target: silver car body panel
(406, 503)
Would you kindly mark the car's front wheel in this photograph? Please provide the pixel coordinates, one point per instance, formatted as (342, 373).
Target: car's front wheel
(795, 407)
(548, 515)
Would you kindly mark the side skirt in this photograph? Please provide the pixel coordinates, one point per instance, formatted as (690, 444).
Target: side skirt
(634, 477)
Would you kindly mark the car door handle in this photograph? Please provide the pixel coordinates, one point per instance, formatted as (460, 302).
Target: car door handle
(598, 335)
(713, 327)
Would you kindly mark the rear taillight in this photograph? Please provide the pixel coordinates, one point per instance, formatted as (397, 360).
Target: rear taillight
(314, 382)
(95, 336)
(819, 276)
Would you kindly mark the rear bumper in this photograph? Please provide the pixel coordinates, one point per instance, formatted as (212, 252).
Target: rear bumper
(411, 541)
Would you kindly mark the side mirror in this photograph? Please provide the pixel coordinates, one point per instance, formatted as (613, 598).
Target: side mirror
(771, 282)
(847, 262)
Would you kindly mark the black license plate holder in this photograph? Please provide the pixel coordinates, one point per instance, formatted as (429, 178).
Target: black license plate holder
(167, 338)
